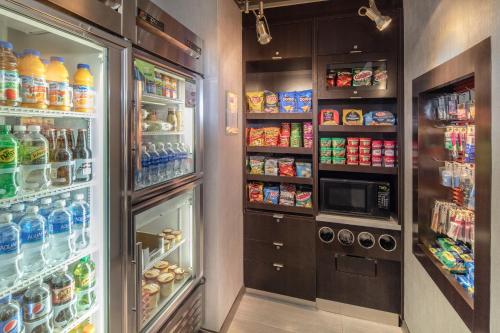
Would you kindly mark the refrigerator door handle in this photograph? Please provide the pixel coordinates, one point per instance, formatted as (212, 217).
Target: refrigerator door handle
(137, 261)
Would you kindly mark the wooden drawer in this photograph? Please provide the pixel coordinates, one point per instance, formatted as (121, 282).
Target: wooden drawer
(290, 256)
(281, 279)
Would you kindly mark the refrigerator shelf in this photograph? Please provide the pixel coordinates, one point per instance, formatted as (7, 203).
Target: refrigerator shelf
(78, 320)
(159, 133)
(9, 111)
(163, 256)
(45, 193)
(159, 100)
(35, 277)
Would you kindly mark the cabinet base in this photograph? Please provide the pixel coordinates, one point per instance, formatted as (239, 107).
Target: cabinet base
(279, 297)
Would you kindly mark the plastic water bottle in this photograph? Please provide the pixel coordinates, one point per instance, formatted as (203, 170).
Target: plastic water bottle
(10, 251)
(45, 207)
(178, 160)
(185, 159)
(63, 196)
(60, 225)
(163, 161)
(80, 210)
(33, 240)
(154, 165)
(143, 176)
(171, 161)
(17, 211)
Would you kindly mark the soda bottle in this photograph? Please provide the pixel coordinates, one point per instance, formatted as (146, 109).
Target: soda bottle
(33, 240)
(37, 309)
(34, 160)
(10, 316)
(63, 295)
(171, 161)
(51, 136)
(58, 81)
(60, 226)
(83, 158)
(8, 163)
(80, 211)
(83, 89)
(10, 251)
(9, 77)
(61, 170)
(163, 160)
(17, 211)
(84, 274)
(70, 136)
(33, 84)
(45, 207)
(144, 171)
(154, 166)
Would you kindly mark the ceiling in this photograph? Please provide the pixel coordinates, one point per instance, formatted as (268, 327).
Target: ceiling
(253, 4)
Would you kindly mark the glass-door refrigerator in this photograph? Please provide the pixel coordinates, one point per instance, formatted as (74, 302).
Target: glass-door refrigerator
(61, 83)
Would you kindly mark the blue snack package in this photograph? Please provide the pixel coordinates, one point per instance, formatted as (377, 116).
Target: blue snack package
(287, 101)
(465, 283)
(379, 118)
(303, 100)
(304, 169)
(271, 195)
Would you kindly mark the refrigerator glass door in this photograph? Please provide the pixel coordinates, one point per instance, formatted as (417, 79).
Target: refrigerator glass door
(167, 251)
(53, 175)
(166, 124)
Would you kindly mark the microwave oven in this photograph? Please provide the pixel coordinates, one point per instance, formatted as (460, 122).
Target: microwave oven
(355, 197)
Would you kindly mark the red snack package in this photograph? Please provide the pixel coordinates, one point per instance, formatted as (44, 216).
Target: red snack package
(377, 144)
(352, 150)
(286, 167)
(377, 161)
(344, 78)
(329, 117)
(365, 142)
(352, 159)
(256, 192)
(389, 144)
(256, 137)
(365, 160)
(389, 161)
(364, 150)
(284, 140)
(352, 141)
(271, 136)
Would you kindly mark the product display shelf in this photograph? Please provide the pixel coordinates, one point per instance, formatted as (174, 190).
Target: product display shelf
(357, 129)
(161, 133)
(44, 193)
(15, 111)
(163, 256)
(159, 100)
(281, 150)
(46, 271)
(280, 179)
(279, 116)
(78, 320)
(358, 169)
(280, 208)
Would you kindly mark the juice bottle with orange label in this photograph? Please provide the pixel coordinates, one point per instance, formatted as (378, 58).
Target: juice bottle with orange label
(83, 89)
(9, 77)
(58, 81)
(33, 84)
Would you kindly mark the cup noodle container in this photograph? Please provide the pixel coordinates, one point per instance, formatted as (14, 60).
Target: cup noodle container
(389, 161)
(377, 161)
(352, 150)
(377, 152)
(365, 142)
(377, 144)
(365, 160)
(389, 152)
(353, 141)
(390, 144)
(364, 150)
(352, 159)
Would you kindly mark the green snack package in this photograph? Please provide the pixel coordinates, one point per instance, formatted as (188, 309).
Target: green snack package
(338, 142)
(325, 142)
(325, 160)
(338, 160)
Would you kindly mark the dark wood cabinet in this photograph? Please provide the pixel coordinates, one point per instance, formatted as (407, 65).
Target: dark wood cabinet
(290, 40)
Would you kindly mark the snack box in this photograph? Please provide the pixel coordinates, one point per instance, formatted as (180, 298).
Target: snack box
(329, 117)
(352, 117)
(379, 118)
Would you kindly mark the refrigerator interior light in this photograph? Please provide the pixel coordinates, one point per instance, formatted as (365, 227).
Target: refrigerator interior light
(374, 14)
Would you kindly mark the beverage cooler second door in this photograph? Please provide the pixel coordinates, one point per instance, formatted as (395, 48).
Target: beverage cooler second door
(167, 254)
(167, 128)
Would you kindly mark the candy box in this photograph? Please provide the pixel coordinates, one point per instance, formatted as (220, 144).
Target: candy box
(255, 101)
(352, 117)
(362, 77)
(286, 102)
(329, 117)
(303, 101)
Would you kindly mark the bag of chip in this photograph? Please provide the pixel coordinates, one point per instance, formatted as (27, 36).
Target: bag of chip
(303, 169)
(287, 194)
(285, 135)
(256, 165)
(286, 167)
(303, 101)
(271, 195)
(271, 167)
(256, 137)
(271, 136)
(344, 78)
(287, 102)
(308, 134)
(270, 102)
(380, 77)
(296, 135)
(255, 101)
(303, 198)
(255, 192)
(362, 77)
(329, 117)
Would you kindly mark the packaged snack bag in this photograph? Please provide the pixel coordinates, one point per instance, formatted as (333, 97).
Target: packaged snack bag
(353, 159)
(329, 117)
(287, 194)
(382, 118)
(352, 141)
(286, 167)
(380, 77)
(256, 165)
(352, 117)
(271, 136)
(256, 137)
(352, 150)
(296, 135)
(338, 152)
(325, 143)
(338, 160)
(255, 101)
(325, 152)
(365, 142)
(270, 102)
(271, 167)
(287, 101)
(271, 195)
(325, 159)
(344, 78)
(303, 198)
(362, 77)
(308, 135)
(304, 169)
(285, 135)
(303, 101)
(255, 192)
(338, 142)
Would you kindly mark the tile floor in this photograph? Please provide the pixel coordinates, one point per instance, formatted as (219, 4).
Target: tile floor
(258, 314)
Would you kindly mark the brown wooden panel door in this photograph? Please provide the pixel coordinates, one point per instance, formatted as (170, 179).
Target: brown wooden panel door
(289, 40)
(289, 255)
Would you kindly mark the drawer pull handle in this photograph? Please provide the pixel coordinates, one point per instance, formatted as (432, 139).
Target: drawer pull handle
(278, 217)
(278, 245)
(278, 266)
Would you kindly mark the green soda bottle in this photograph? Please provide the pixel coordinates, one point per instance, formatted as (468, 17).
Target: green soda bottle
(84, 274)
(8, 163)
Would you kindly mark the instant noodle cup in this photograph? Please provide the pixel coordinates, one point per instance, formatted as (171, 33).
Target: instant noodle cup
(352, 159)
(338, 152)
(325, 143)
(365, 142)
(338, 160)
(364, 150)
(352, 141)
(377, 144)
(365, 160)
(338, 142)
(352, 150)
(377, 161)
(376, 152)
(325, 159)
(325, 152)
(388, 152)
(389, 161)
(255, 101)
(389, 144)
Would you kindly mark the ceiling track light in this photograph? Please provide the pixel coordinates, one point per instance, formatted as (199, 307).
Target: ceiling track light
(374, 14)
(261, 26)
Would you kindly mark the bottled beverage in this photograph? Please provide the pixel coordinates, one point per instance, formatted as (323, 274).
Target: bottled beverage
(154, 164)
(185, 162)
(64, 196)
(10, 251)
(19, 132)
(33, 240)
(83, 89)
(61, 169)
(63, 293)
(34, 160)
(37, 309)
(163, 161)
(189, 159)
(70, 136)
(8, 163)
(10, 316)
(83, 158)
(60, 226)
(171, 161)
(46, 207)
(84, 274)
(9, 76)
(17, 211)
(80, 211)
(58, 81)
(51, 136)
(144, 173)
(33, 84)
(178, 160)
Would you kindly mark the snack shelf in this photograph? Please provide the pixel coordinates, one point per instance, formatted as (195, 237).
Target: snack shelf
(357, 129)
(159, 100)
(163, 255)
(10, 111)
(78, 320)
(358, 169)
(48, 270)
(44, 193)
(281, 150)
(280, 179)
(280, 208)
(279, 116)
(160, 133)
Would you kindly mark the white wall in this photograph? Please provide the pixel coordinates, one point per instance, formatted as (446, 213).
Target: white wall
(218, 22)
(436, 31)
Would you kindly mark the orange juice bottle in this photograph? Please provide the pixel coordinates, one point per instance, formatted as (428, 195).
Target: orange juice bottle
(83, 89)
(9, 77)
(33, 84)
(58, 81)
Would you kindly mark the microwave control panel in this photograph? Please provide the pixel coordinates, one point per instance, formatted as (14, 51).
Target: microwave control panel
(383, 196)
